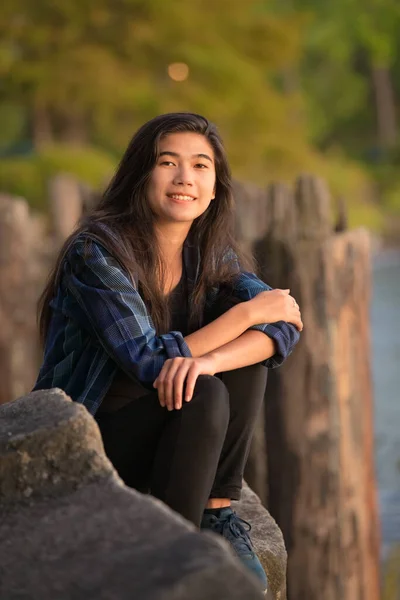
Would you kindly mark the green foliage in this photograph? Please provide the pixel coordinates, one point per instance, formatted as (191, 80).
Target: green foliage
(366, 215)
(350, 183)
(343, 42)
(391, 576)
(391, 199)
(12, 124)
(105, 65)
(89, 165)
(286, 82)
(29, 177)
(386, 177)
(22, 177)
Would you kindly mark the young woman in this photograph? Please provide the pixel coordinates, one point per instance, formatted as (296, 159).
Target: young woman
(151, 321)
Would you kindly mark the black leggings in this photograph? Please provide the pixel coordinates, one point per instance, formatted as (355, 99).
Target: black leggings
(184, 457)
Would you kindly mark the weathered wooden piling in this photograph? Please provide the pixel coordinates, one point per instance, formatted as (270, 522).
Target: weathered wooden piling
(65, 204)
(19, 353)
(319, 430)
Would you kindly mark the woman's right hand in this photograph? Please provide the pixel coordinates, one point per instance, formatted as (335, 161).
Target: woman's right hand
(274, 305)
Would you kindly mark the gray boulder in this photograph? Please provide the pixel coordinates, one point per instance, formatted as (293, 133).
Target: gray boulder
(70, 529)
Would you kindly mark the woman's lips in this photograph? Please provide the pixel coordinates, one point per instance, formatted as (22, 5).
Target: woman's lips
(181, 198)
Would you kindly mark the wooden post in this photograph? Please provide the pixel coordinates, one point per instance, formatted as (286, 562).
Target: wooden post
(251, 223)
(19, 352)
(65, 205)
(256, 471)
(251, 216)
(319, 403)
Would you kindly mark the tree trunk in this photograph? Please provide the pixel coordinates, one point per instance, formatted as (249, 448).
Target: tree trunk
(72, 128)
(41, 126)
(385, 106)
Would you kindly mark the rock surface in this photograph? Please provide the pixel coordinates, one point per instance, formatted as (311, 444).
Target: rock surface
(70, 529)
(267, 539)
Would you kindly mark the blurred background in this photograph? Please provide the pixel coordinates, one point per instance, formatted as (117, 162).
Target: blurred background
(295, 86)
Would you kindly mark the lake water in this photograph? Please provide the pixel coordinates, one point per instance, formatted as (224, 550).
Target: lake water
(385, 319)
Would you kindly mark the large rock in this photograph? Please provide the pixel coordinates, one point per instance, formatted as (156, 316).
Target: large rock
(268, 541)
(70, 529)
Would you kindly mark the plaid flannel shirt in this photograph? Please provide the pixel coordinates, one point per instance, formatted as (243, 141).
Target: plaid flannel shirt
(100, 324)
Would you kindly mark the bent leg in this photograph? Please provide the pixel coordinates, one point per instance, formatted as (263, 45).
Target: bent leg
(246, 387)
(130, 437)
(189, 449)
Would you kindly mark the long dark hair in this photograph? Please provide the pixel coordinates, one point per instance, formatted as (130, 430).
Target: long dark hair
(124, 211)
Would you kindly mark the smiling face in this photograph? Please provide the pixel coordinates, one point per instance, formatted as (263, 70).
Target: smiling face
(182, 183)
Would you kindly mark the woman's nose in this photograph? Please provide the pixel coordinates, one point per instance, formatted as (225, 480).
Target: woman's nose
(183, 176)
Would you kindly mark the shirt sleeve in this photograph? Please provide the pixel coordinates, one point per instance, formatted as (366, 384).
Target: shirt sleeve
(285, 335)
(246, 286)
(115, 313)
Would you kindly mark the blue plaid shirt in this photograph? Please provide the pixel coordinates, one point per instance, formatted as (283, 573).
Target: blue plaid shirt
(100, 324)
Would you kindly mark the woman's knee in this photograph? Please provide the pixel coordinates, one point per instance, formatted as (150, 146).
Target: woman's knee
(210, 386)
(250, 381)
(257, 372)
(211, 402)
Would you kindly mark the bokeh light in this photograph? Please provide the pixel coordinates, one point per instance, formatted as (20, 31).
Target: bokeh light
(178, 71)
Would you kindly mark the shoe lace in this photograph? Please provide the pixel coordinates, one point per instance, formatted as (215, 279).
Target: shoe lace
(235, 528)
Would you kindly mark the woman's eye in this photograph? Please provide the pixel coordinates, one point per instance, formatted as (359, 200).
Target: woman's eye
(167, 162)
(201, 166)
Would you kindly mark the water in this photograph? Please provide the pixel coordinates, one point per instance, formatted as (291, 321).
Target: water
(385, 319)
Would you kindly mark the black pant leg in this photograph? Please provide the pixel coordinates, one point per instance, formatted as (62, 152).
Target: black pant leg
(189, 449)
(246, 388)
(130, 437)
(184, 457)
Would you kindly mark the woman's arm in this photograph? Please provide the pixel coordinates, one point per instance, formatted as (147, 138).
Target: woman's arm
(281, 318)
(250, 348)
(223, 330)
(251, 305)
(267, 345)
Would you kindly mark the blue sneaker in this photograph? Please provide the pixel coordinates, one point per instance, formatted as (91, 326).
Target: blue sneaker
(233, 529)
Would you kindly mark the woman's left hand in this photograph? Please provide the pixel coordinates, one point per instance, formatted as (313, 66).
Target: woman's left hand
(175, 372)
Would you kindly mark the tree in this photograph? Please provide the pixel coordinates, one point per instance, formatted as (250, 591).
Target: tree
(95, 71)
(350, 55)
